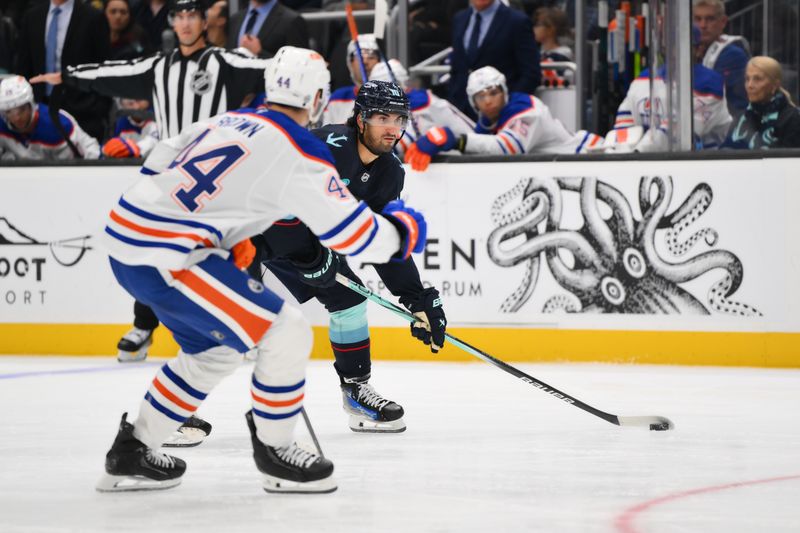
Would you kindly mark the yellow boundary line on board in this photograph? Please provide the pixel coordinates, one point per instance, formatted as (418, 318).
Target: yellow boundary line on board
(773, 350)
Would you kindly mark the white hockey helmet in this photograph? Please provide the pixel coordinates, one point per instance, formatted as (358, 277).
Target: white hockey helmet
(482, 79)
(15, 91)
(368, 43)
(295, 76)
(380, 72)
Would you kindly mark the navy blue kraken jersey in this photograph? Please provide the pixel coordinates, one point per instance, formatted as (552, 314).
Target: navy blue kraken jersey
(378, 183)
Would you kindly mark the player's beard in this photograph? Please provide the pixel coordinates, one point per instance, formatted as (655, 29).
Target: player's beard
(375, 142)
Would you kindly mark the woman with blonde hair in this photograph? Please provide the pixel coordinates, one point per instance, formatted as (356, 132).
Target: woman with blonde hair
(771, 119)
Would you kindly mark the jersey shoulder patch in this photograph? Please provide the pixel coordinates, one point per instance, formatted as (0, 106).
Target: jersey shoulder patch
(344, 94)
(334, 135)
(517, 103)
(419, 99)
(707, 81)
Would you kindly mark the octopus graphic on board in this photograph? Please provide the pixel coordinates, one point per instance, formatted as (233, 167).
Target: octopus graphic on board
(611, 264)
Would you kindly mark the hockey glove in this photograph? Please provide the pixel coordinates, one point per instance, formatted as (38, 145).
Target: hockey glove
(119, 147)
(321, 272)
(412, 228)
(431, 323)
(243, 253)
(434, 141)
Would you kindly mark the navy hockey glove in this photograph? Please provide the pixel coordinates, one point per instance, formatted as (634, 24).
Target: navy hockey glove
(412, 228)
(431, 324)
(321, 272)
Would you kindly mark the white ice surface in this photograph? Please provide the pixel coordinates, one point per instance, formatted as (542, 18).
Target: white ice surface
(483, 452)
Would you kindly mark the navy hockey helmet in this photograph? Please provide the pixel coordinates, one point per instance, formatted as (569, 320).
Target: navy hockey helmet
(381, 97)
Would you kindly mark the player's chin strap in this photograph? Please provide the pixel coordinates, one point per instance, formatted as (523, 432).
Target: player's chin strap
(654, 423)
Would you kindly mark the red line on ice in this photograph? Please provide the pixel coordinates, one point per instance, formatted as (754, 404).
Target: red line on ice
(624, 522)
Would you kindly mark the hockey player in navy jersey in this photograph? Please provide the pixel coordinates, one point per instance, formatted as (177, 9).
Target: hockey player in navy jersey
(177, 241)
(508, 124)
(427, 110)
(28, 130)
(362, 152)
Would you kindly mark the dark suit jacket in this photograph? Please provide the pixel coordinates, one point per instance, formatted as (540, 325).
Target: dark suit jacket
(282, 27)
(508, 46)
(87, 41)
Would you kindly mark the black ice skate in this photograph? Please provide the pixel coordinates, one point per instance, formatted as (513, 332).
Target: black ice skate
(193, 431)
(369, 411)
(131, 465)
(133, 345)
(290, 469)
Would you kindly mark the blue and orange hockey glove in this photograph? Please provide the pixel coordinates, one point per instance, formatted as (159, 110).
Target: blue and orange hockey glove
(119, 147)
(412, 228)
(434, 141)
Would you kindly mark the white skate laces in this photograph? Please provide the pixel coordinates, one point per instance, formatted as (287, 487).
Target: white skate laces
(159, 459)
(368, 396)
(294, 455)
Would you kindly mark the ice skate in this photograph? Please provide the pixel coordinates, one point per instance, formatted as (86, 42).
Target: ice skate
(131, 465)
(133, 345)
(290, 469)
(193, 431)
(369, 411)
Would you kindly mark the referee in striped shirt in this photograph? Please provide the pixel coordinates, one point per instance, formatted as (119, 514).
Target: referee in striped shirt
(193, 82)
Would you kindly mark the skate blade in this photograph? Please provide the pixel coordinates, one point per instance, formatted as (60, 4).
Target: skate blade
(360, 424)
(185, 438)
(111, 483)
(138, 355)
(276, 485)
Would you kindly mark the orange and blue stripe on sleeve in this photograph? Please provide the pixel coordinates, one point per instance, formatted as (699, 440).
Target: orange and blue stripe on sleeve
(354, 233)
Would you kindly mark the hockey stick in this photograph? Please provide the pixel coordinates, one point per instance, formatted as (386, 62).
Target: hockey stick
(654, 423)
(311, 431)
(351, 24)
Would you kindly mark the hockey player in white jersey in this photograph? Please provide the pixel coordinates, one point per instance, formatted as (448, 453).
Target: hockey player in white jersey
(427, 110)
(135, 135)
(172, 238)
(634, 128)
(340, 105)
(508, 124)
(29, 131)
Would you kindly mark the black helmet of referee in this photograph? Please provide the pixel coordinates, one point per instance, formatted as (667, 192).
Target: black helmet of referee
(176, 6)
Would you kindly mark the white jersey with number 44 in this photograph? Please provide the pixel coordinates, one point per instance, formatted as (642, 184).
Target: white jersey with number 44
(230, 177)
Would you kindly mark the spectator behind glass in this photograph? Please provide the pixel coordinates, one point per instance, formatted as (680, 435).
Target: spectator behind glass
(217, 23)
(265, 26)
(771, 119)
(128, 39)
(551, 30)
(44, 46)
(489, 33)
(151, 15)
(727, 54)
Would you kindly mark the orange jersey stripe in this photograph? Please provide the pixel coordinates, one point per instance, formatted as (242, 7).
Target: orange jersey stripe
(272, 403)
(253, 325)
(157, 232)
(364, 227)
(508, 143)
(171, 397)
